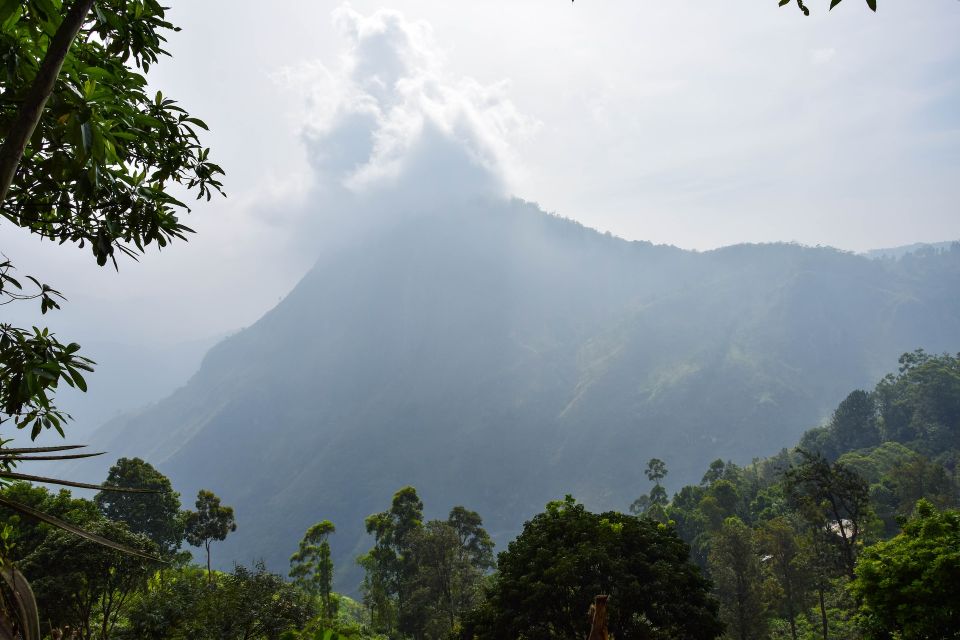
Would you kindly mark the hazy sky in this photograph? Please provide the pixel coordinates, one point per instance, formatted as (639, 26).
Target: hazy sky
(690, 123)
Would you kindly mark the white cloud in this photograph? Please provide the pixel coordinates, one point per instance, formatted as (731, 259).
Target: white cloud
(682, 122)
(391, 121)
(822, 56)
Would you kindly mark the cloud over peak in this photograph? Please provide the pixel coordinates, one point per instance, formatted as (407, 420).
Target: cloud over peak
(389, 121)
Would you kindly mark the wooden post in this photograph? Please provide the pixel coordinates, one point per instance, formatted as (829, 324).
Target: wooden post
(598, 618)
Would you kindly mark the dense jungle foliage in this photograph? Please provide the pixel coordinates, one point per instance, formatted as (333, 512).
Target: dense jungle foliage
(852, 534)
(849, 534)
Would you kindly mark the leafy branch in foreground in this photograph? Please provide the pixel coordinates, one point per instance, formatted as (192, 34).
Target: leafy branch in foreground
(33, 362)
(870, 3)
(101, 154)
(88, 157)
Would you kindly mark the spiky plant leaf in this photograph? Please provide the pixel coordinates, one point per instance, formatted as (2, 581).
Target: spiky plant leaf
(17, 458)
(17, 602)
(66, 526)
(29, 450)
(12, 475)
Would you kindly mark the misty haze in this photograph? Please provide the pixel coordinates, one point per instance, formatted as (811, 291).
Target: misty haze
(489, 321)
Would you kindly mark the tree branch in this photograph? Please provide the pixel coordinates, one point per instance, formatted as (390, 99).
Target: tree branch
(36, 99)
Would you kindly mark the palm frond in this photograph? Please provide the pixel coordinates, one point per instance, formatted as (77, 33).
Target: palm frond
(27, 450)
(12, 475)
(18, 457)
(72, 528)
(21, 619)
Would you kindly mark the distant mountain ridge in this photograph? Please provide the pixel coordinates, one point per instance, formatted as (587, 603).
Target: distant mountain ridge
(899, 252)
(499, 357)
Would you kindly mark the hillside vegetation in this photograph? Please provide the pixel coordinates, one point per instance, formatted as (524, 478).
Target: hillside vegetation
(500, 357)
(853, 534)
(792, 542)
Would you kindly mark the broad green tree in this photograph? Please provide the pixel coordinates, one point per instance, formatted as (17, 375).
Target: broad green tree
(548, 577)
(435, 593)
(720, 501)
(253, 604)
(921, 404)
(378, 594)
(211, 521)
(789, 561)
(452, 559)
(156, 515)
(909, 586)
(246, 604)
(476, 546)
(421, 578)
(312, 566)
(734, 562)
(718, 470)
(653, 504)
(391, 564)
(832, 498)
(171, 607)
(84, 585)
(854, 423)
(656, 471)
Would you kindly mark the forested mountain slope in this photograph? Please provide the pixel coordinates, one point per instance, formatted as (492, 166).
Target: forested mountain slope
(498, 357)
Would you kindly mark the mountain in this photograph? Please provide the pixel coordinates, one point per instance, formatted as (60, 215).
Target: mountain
(899, 252)
(113, 391)
(499, 357)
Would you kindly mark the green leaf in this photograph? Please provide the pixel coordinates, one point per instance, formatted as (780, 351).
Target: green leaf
(77, 379)
(834, 3)
(10, 11)
(86, 135)
(203, 125)
(872, 4)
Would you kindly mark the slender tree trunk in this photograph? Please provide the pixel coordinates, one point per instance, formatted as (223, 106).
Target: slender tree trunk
(823, 610)
(790, 612)
(104, 626)
(87, 614)
(598, 624)
(793, 621)
(107, 609)
(742, 607)
(209, 573)
(36, 99)
(453, 609)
